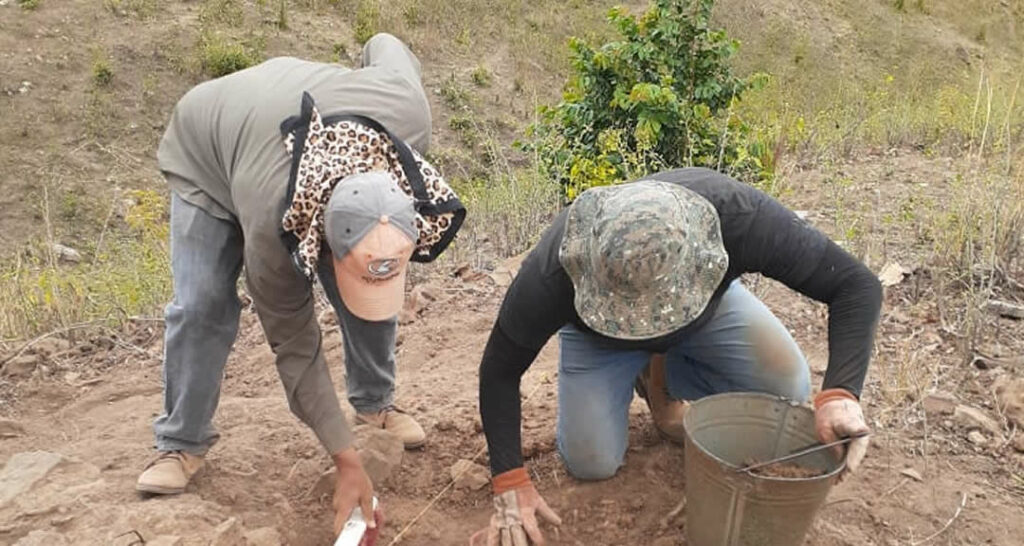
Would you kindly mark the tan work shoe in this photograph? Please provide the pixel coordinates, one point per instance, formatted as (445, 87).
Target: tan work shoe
(667, 412)
(169, 472)
(396, 422)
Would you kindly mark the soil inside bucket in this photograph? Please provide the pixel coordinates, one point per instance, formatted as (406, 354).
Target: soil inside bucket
(783, 470)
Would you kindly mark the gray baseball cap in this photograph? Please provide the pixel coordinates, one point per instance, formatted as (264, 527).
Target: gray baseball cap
(357, 205)
(644, 257)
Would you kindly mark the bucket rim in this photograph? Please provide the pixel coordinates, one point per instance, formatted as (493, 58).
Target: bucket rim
(736, 468)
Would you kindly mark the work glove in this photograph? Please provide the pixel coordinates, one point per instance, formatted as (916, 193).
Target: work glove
(838, 415)
(516, 505)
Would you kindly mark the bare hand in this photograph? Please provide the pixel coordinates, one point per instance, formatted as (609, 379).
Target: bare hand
(352, 488)
(514, 522)
(840, 418)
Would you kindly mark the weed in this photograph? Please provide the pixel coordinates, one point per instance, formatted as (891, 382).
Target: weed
(340, 52)
(367, 20)
(411, 14)
(454, 95)
(481, 76)
(139, 9)
(102, 73)
(28, 4)
(282, 15)
(220, 56)
(123, 279)
(228, 13)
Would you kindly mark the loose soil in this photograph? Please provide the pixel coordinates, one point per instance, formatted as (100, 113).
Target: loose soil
(783, 470)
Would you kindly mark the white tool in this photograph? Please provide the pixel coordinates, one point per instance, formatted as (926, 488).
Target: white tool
(354, 528)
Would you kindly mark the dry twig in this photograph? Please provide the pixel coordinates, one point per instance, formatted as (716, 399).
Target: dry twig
(959, 508)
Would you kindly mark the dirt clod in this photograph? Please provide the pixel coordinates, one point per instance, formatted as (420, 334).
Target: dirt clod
(228, 533)
(469, 475)
(21, 367)
(11, 429)
(939, 403)
(264, 536)
(42, 538)
(970, 417)
(380, 451)
(1010, 395)
(977, 438)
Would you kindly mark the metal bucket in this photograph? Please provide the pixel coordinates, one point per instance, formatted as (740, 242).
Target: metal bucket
(729, 508)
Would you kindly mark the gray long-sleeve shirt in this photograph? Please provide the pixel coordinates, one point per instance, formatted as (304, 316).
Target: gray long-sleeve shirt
(223, 152)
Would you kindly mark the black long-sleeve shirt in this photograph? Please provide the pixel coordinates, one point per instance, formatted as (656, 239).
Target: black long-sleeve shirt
(760, 236)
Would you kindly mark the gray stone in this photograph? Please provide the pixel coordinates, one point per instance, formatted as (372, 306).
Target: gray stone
(970, 417)
(21, 367)
(939, 403)
(23, 470)
(469, 475)
(228, 533)
(66, 253)
(264, 536)
(42, 538)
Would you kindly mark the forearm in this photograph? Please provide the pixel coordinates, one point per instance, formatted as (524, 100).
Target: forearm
(504, 363)
(854, 298)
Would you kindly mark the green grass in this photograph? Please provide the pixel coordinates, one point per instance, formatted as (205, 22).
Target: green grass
(219, 55)
(138, 9)
(481, 77)
(102, 73)
(28, 4)
(367, 22)
(122, 275)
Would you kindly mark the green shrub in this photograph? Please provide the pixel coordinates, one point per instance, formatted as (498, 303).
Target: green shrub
(367, 20)
(481, 76)
(102, 74)
(659, 96)
(28, 4)
(219, 56)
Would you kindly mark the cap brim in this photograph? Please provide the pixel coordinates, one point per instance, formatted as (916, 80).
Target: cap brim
(373, 302)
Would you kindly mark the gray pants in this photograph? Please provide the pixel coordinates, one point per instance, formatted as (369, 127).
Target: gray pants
(202, 323)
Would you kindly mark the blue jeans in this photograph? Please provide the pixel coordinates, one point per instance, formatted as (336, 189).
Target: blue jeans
(743, 347)
(201, 324)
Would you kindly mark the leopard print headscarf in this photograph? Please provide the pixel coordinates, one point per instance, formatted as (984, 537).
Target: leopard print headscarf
(332, 151)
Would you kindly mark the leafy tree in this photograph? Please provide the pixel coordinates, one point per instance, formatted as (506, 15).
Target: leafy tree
(659, 96)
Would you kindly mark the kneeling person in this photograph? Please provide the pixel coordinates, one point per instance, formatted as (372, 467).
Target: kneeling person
(644, 275)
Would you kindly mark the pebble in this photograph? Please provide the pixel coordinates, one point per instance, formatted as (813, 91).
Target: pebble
(21, 367)
(977, 438)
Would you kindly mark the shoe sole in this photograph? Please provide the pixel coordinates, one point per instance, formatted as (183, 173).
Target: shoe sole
(157, 490)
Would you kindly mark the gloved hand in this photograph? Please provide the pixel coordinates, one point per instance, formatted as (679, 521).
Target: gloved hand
(838, 415)
(516, 505)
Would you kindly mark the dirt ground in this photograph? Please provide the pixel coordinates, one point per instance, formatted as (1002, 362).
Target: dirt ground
(94, 402)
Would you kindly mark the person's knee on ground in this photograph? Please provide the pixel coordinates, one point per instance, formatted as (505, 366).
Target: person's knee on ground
(589, 462)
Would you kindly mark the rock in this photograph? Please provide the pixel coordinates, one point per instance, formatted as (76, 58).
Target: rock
(165, 540)
(66, 253)
(892, 274)
(1018, 443)
(42, 538)
(911, 473)
(21, 367)
(469, 475)
(228, 533)
(970, 417)
(939, 403)
(445, 425)
(1006, 309)
(23, 470)
(380, 451)
(977, 438)
(11, 429)
(264, 536)
(1010, 396)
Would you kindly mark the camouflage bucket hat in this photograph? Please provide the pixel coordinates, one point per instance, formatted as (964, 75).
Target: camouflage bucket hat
(645, 258)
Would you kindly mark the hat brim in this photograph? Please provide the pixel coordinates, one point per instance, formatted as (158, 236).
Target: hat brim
(375, 302)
